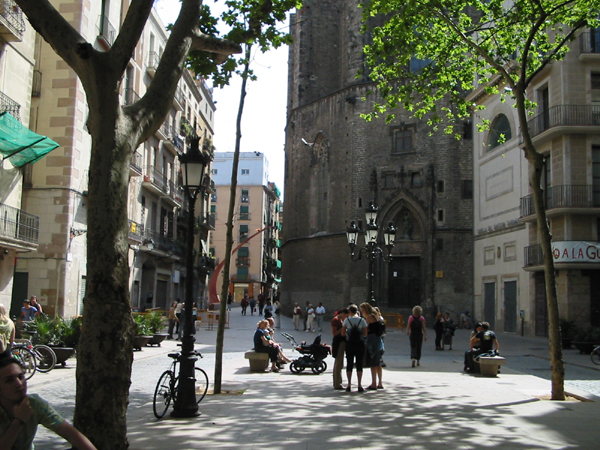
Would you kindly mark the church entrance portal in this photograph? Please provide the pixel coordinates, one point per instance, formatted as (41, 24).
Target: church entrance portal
(404, 282)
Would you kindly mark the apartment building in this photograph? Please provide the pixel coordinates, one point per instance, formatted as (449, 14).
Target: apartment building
(56, 188)
(508, 278)
(19, 228)
(255, 266)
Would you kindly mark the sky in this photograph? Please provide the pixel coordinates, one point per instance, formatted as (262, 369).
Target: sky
(263, 121)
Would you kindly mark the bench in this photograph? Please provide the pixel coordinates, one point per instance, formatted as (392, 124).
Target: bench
(258, 361)
(488, 365)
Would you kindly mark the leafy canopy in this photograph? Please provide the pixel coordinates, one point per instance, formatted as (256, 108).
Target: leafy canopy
(458, 45)
(248, 22)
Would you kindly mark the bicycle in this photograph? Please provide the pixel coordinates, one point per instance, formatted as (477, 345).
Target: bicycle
(26, 358)
(166, 388)
(45, 357)
(596, 355)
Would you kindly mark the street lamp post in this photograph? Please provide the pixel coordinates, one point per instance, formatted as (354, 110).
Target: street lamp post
(371, 250)
(194, 165)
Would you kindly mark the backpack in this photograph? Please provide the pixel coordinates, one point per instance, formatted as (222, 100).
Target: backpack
(355, 334)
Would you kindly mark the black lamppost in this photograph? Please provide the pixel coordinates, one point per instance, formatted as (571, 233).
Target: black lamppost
(194, 165)
(372, 250)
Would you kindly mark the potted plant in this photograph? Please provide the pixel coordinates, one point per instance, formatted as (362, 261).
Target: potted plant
(156, 323)
(587, 340)
(143, 333)
(568, 330)
(60, 334)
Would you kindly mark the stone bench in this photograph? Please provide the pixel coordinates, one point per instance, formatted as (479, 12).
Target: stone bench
(258, 361)
(488, 365)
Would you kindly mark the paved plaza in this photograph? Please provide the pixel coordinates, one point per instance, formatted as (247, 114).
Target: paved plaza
(422, 408)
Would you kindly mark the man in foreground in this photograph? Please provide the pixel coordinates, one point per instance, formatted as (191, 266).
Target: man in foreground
(20, 413)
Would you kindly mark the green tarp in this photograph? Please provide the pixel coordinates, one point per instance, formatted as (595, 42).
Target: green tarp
(19, 144)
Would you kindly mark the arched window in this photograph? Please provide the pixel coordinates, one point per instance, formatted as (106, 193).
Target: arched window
(499, 132)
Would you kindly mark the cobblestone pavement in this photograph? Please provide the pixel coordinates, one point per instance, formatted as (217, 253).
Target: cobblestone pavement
(524, 356)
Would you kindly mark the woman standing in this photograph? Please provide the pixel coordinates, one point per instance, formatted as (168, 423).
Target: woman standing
(7, 330)
(416, 331)
(172, 319)
(373, 344)
(310, 316)
(33, 301)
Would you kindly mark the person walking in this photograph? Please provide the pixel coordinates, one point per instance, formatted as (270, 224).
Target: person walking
(306, 305)
(320, 312)
(277, 314)
(355, 331)
(178, 312)
(296, 316)
(261, 304)
(417, 332)
(252, 305)
(438, 327)
(338, 347)
(229, 301)
(244, 305)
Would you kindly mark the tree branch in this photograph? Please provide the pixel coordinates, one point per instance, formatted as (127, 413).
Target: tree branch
(62, 37)
(129, 33)
(221, 48)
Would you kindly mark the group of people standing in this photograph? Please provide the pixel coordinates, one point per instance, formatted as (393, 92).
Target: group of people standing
(313, 317)
(175, 317)
(360, 338)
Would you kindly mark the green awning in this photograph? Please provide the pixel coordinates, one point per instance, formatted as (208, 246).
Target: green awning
(19, 144)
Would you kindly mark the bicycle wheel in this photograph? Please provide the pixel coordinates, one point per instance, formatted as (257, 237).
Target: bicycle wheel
(201, 384)
(163, 394)
(27, 360)
(596, 355)
(46, 358)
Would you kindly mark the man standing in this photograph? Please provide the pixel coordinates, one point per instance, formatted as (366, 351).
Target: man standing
(306, 307)
(28, 312)
(338, 347)
(486, 339)
(320, 312)
(297, 314)
(20, 414)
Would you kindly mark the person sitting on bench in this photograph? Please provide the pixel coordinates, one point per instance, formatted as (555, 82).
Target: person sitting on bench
(487, 341)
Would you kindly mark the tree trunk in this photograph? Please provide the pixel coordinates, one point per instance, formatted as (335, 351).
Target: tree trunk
(105, 352)
(229, 234)
(537, 163)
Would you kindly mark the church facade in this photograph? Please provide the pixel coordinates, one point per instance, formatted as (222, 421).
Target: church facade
(337, 163)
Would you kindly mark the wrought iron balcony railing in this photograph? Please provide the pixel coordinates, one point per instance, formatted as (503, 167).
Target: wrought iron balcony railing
(567, 196)
(18, 224)
(565, 115)
(136, 231)
(533, 255)
(9, 105)
(11, 21)
(136, 162)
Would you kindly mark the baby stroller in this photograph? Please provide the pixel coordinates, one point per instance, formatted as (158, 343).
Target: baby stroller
(313, 355)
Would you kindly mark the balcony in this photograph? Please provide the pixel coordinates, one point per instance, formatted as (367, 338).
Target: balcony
(179, 100)
(136, 231)
(10, 106)
(12, 24)
(174, 194)
(578, 117)
(243, 261)
(579, 199)
(18, 229)
(165, 244)
(130, 96)
(135, 166)
(566, 255)
(152, 63)
(207, 221)
(171, 139)
(106, 32)
(157, 182)
(36, 88)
